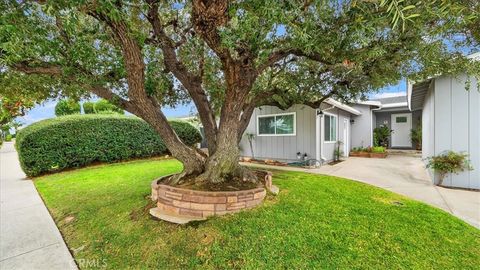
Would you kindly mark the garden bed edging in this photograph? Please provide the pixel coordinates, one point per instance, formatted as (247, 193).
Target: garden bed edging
(184, 205)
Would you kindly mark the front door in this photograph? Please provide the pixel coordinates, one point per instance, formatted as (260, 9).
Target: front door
(401, 126)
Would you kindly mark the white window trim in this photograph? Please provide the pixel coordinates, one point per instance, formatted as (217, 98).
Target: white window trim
(277, 114)
(336, 128)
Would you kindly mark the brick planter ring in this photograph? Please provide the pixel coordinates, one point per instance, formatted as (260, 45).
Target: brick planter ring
(180, 205)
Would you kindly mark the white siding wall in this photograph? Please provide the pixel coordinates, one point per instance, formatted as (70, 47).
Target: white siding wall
(283, 147)
(329, 148)
(456, 126)
(362, 127)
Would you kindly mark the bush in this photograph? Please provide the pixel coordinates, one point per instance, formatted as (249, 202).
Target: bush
(78, 140)
(416, 137)
(101, 107)
(8, 137)
(449, 162)
(67, 107)
(381, 136)
(378, 149)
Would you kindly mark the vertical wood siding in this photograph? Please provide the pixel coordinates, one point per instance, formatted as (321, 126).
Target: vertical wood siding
(457, 126)
(283, 147)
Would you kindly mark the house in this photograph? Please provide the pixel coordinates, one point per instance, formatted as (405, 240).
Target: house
(300, 131)
(450, 121)
(304, 132)
(448, 114)
(392, 112)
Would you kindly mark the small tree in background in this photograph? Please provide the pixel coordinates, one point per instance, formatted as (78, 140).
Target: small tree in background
(101, 106)
(67, 107)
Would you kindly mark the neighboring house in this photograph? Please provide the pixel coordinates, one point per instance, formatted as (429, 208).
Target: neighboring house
(451, 121)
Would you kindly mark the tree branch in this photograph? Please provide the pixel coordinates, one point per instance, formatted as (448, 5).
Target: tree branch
(191, 82)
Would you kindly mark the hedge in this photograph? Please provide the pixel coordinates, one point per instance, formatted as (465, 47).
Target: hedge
(77, 140)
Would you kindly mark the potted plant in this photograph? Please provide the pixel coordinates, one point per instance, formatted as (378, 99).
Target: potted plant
(449, 162)
(382, 135)
(416, 137)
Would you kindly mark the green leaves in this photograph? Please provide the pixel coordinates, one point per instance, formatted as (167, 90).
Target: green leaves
(78, 140)
(398, 9)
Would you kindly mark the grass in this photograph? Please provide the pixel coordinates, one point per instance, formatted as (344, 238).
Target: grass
(316, 222)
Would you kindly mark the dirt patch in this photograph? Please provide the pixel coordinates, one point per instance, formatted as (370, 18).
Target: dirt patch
(235, 184)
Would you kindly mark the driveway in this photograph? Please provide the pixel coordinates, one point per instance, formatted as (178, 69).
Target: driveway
(404, 175)
(29, 238)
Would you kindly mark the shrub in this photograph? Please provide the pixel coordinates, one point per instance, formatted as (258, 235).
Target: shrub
(8, 137)
(378, 149)
(78, 140)
(101, 107)
(416, 137)
(449, 162)
(67, 107)
(381, 135)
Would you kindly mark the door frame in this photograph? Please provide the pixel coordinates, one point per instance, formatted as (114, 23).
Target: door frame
(392, 120)
(346, 137)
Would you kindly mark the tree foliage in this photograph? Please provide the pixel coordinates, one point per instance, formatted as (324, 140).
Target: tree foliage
(227, 57)
(67, 107)
(100, 106)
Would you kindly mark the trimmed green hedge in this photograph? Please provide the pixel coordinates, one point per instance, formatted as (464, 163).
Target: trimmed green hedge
(78, 140)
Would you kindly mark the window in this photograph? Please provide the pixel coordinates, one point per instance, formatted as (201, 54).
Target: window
(276, 124)
(330, 127)
(401, 119)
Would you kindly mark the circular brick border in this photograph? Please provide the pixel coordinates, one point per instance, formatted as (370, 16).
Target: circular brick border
(202, 204)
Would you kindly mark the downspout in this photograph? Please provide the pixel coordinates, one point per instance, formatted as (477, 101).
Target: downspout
(371, 124)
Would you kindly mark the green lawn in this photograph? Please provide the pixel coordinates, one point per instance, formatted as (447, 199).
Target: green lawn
(316, 222)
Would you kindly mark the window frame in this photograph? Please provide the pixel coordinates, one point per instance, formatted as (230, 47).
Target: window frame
(336, 127)
(275, 115)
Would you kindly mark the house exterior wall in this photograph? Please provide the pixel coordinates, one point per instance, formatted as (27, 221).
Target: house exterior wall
(283, 148)
(382, 118)
(456, 126)
(362, 127)
(343, 119)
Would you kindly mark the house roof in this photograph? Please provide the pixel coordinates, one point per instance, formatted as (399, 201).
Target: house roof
(342, 106)
(390, 100)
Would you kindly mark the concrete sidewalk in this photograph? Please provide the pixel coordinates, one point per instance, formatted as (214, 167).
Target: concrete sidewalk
(29, 238)
(404, 175)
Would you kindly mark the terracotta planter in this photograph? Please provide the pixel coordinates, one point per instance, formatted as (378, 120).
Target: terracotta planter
(359, 154)
(378, 155)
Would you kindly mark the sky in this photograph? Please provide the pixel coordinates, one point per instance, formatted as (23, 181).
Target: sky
(47, 109)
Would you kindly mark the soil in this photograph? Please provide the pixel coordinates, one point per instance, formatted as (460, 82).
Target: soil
(235, 184)
(335, 162)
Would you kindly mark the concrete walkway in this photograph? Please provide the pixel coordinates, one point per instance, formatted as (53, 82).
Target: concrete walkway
(29, 238)
(404, 175)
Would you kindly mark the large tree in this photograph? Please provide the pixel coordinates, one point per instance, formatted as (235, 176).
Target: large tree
(227, 57)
